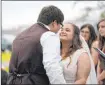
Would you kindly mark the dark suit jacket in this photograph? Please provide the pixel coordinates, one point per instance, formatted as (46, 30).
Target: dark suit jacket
(26, 65)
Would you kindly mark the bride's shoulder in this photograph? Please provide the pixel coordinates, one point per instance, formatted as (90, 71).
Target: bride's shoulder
(95, 43)
(81, 50)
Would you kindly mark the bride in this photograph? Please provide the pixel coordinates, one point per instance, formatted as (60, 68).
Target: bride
(78, 67)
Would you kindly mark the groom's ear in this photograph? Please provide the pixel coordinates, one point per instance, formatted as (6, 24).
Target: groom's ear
(54, 23)
(61, 24)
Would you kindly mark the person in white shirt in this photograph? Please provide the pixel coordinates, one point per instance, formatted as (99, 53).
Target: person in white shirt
(52, 18)
(36, 51)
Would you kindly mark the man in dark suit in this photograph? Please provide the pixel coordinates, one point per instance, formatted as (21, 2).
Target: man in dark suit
(36, 51)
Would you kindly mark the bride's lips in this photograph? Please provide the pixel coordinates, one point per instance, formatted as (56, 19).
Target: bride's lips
(63, 34)
(101, 32)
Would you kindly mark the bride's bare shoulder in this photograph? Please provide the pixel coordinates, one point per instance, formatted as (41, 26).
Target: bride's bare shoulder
(95, 44)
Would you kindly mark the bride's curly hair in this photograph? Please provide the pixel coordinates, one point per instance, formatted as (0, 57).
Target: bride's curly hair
(76, 42)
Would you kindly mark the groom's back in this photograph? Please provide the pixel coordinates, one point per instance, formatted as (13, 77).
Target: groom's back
(26, 59)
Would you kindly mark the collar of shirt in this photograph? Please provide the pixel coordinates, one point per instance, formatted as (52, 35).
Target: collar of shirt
(45, 25)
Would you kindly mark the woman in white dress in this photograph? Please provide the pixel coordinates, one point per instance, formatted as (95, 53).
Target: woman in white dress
(78, 67)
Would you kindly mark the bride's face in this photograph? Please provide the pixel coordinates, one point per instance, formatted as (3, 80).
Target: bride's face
(67, 32)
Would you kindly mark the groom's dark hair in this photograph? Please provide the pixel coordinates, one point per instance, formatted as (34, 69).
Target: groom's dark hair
(50, 13)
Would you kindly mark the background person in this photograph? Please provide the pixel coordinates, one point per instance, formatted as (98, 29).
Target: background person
(88, 32)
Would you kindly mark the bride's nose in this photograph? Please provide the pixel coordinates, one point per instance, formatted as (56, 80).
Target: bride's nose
(63, 32)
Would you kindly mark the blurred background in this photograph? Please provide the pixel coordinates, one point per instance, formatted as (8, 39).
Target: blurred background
(19, 15)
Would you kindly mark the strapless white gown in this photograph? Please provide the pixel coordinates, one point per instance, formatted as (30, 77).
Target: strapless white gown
(71, 70)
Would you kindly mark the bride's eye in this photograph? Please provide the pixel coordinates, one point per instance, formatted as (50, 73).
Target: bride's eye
(67, 30)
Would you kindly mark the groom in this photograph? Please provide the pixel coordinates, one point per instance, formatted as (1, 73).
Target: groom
(36, 51)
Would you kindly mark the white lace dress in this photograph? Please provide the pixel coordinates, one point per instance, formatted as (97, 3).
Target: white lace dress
(70, 70)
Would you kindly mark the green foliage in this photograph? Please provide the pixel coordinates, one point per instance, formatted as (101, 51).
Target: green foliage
(102, 14)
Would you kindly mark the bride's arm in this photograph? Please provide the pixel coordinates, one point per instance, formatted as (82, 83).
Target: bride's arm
(94, 53)
(98, 68)
(83, 69)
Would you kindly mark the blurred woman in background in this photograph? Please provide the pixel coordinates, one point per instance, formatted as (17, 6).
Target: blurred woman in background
(88, 32)
(101, 62)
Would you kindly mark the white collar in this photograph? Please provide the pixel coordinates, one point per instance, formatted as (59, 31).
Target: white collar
(45, 25)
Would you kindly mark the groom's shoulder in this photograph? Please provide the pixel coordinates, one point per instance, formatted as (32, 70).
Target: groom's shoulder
(48, 35)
